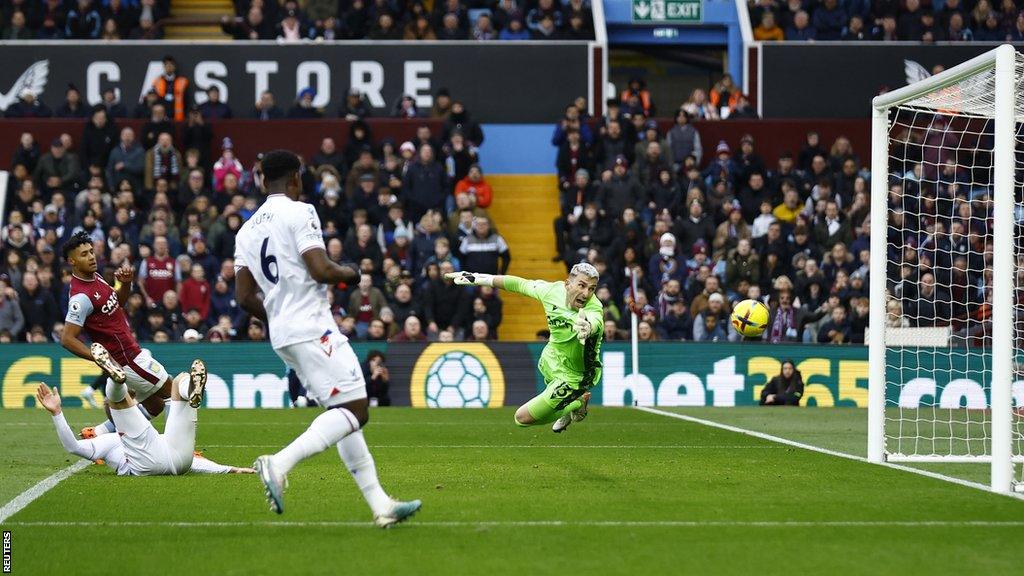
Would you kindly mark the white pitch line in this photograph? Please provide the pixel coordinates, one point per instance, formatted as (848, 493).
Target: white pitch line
(801, 445)
(42, 487)
(554, 524)
(504, 446)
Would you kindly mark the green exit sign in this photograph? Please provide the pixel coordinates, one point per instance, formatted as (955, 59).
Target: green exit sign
(671, 11)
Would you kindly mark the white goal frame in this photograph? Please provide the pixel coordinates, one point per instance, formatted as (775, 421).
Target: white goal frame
(1002, 59)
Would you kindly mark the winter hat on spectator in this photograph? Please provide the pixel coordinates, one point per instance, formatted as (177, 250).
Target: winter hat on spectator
(57, 143)
(407, 147)
(621, 160)
(50, 209)
(723, 148)
(716, 297)
(227, 144)
(307, 92)
(583, 172)
(699, 247)
(401, 232)
(191, 335)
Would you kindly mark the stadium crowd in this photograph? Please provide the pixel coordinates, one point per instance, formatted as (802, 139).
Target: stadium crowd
(170, 201)
(887, 20)
(702, 226)
(295, 21)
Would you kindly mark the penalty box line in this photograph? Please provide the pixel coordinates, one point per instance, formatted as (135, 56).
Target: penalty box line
(42, 487)
(820, 450)
(542, 524)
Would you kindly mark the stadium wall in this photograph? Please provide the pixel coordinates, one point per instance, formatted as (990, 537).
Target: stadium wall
(534, 79)
(249, 375)
(839, 79)
(507, 148)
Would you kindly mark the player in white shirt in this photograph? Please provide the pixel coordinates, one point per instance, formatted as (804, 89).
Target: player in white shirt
(280, 252)
(138, 449)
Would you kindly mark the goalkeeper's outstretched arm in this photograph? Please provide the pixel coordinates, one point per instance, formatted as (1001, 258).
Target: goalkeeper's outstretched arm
(515, 284)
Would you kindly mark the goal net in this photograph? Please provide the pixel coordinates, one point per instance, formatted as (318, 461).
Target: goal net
(948, 270)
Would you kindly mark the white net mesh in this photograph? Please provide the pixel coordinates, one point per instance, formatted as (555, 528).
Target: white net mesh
(939, 277)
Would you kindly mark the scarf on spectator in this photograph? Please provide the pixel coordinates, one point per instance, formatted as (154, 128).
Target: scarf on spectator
(784, 320)
(165, 163)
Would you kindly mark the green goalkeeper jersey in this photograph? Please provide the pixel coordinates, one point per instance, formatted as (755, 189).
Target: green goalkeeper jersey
(564, 358)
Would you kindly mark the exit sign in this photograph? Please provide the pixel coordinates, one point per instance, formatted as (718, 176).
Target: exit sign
(670, 11)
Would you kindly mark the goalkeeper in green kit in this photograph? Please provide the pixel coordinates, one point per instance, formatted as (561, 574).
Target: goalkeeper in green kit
(571, 361)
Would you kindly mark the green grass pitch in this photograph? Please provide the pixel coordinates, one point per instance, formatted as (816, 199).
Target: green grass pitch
(624, 492)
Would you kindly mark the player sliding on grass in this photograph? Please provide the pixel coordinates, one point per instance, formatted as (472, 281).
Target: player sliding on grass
(280, 252)
(571, 361)
(138, 449)
(96, 307)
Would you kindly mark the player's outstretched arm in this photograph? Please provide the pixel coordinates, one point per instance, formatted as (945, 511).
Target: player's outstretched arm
(506, 282)
(246, 292)
(325, 271)
(50, 399)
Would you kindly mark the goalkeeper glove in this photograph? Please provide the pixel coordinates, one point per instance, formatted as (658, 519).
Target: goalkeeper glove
(582, 327)
(470, 279)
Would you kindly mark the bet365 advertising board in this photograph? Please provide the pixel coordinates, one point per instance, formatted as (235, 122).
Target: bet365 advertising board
(489, 375)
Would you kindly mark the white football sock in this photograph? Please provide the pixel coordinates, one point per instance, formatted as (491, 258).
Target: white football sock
(105, 428)
(182, 381)
(116, 392)
(326, 430)
(357, 458)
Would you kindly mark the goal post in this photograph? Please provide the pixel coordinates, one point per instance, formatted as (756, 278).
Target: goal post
(944, 254)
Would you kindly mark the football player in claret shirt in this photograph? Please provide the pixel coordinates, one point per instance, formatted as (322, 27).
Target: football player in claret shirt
(95, 307)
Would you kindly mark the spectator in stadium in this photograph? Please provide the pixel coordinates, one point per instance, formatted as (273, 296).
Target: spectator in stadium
(12, 321)
(17, 28)
(303, 107)
(483, 28)
(213, 108)
(57, 170)
(695, 227)
(375, 372)
(419, 28)
(786, 389)
(157, 124)
(787, 320)
(196, 292)
(127, 161)
(712, 324)
(225, 165)
(83, 22)
(38, 306)
(475, 184)
(829, 20)
(832, 228)
(683, 141)
(801, 29)
(173, 89)
(425, 186)
(617, 191)
(443, 301)
(459, 120)
(98, 139)
(163, 162)
(266, 108)
(356, 106)
(768, 30)
(253, 27)
(515, 30)
(73, 107)
(484, 250)
(28, 106)
(837, 330)
(412, 331)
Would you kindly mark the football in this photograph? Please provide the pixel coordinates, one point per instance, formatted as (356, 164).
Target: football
(750, 318)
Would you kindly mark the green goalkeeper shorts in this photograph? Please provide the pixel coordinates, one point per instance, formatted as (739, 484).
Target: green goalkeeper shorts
(555, 397)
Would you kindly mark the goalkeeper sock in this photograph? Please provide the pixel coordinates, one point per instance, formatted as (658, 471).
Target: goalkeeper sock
(326, 430)
(357, 458)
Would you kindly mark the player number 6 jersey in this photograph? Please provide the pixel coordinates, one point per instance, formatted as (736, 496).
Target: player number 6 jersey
(270, 245)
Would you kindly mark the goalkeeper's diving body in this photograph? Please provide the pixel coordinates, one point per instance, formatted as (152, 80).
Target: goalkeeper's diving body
(571, 361)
